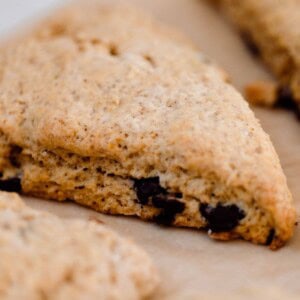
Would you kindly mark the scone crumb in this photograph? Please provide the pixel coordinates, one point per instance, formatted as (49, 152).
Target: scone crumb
(261, 93)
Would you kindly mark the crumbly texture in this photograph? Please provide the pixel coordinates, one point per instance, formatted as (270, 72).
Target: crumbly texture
(44, 257)
(105, 106)
(271, 28)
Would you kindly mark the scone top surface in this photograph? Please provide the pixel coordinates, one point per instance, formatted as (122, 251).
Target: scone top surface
(44, 257)
(103, 80)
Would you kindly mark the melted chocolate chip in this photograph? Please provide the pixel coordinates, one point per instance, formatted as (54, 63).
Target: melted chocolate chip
(11, 185)
(250, 44)
(270, 237)
(146, 188)
(170, 207)
(221, 218)
(149, 191)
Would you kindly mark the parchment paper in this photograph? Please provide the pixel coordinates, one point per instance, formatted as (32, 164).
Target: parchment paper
(191, 265)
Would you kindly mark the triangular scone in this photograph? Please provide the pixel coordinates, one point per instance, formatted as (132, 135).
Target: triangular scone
(44, 257)
(271, 30)
(106, 107)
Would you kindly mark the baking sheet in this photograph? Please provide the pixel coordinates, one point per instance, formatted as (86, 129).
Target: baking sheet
(192, 266)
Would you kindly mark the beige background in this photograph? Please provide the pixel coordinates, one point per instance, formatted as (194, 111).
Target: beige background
(193, 266)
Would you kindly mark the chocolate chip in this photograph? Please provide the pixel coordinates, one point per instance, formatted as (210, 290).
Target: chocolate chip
(178, 195)
(11, 185)
(270, 237)
(170, 208)
(250, 44)
(146, 188)
(286, 100)
(150, 192)
(221, 218)
(68, 200)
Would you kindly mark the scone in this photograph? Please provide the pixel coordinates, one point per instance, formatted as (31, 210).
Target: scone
(44, 257)
(271, 29)
(103, 106)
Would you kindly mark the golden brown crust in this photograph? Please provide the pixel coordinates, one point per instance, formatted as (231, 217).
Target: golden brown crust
(106, 85)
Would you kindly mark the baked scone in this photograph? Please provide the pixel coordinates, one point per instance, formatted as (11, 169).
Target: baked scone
(271, 29)
(106, 107)
(44, 257)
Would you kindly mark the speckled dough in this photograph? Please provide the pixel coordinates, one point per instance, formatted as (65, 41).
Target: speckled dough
(44, 257)
(106, 107)
(272, 28)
